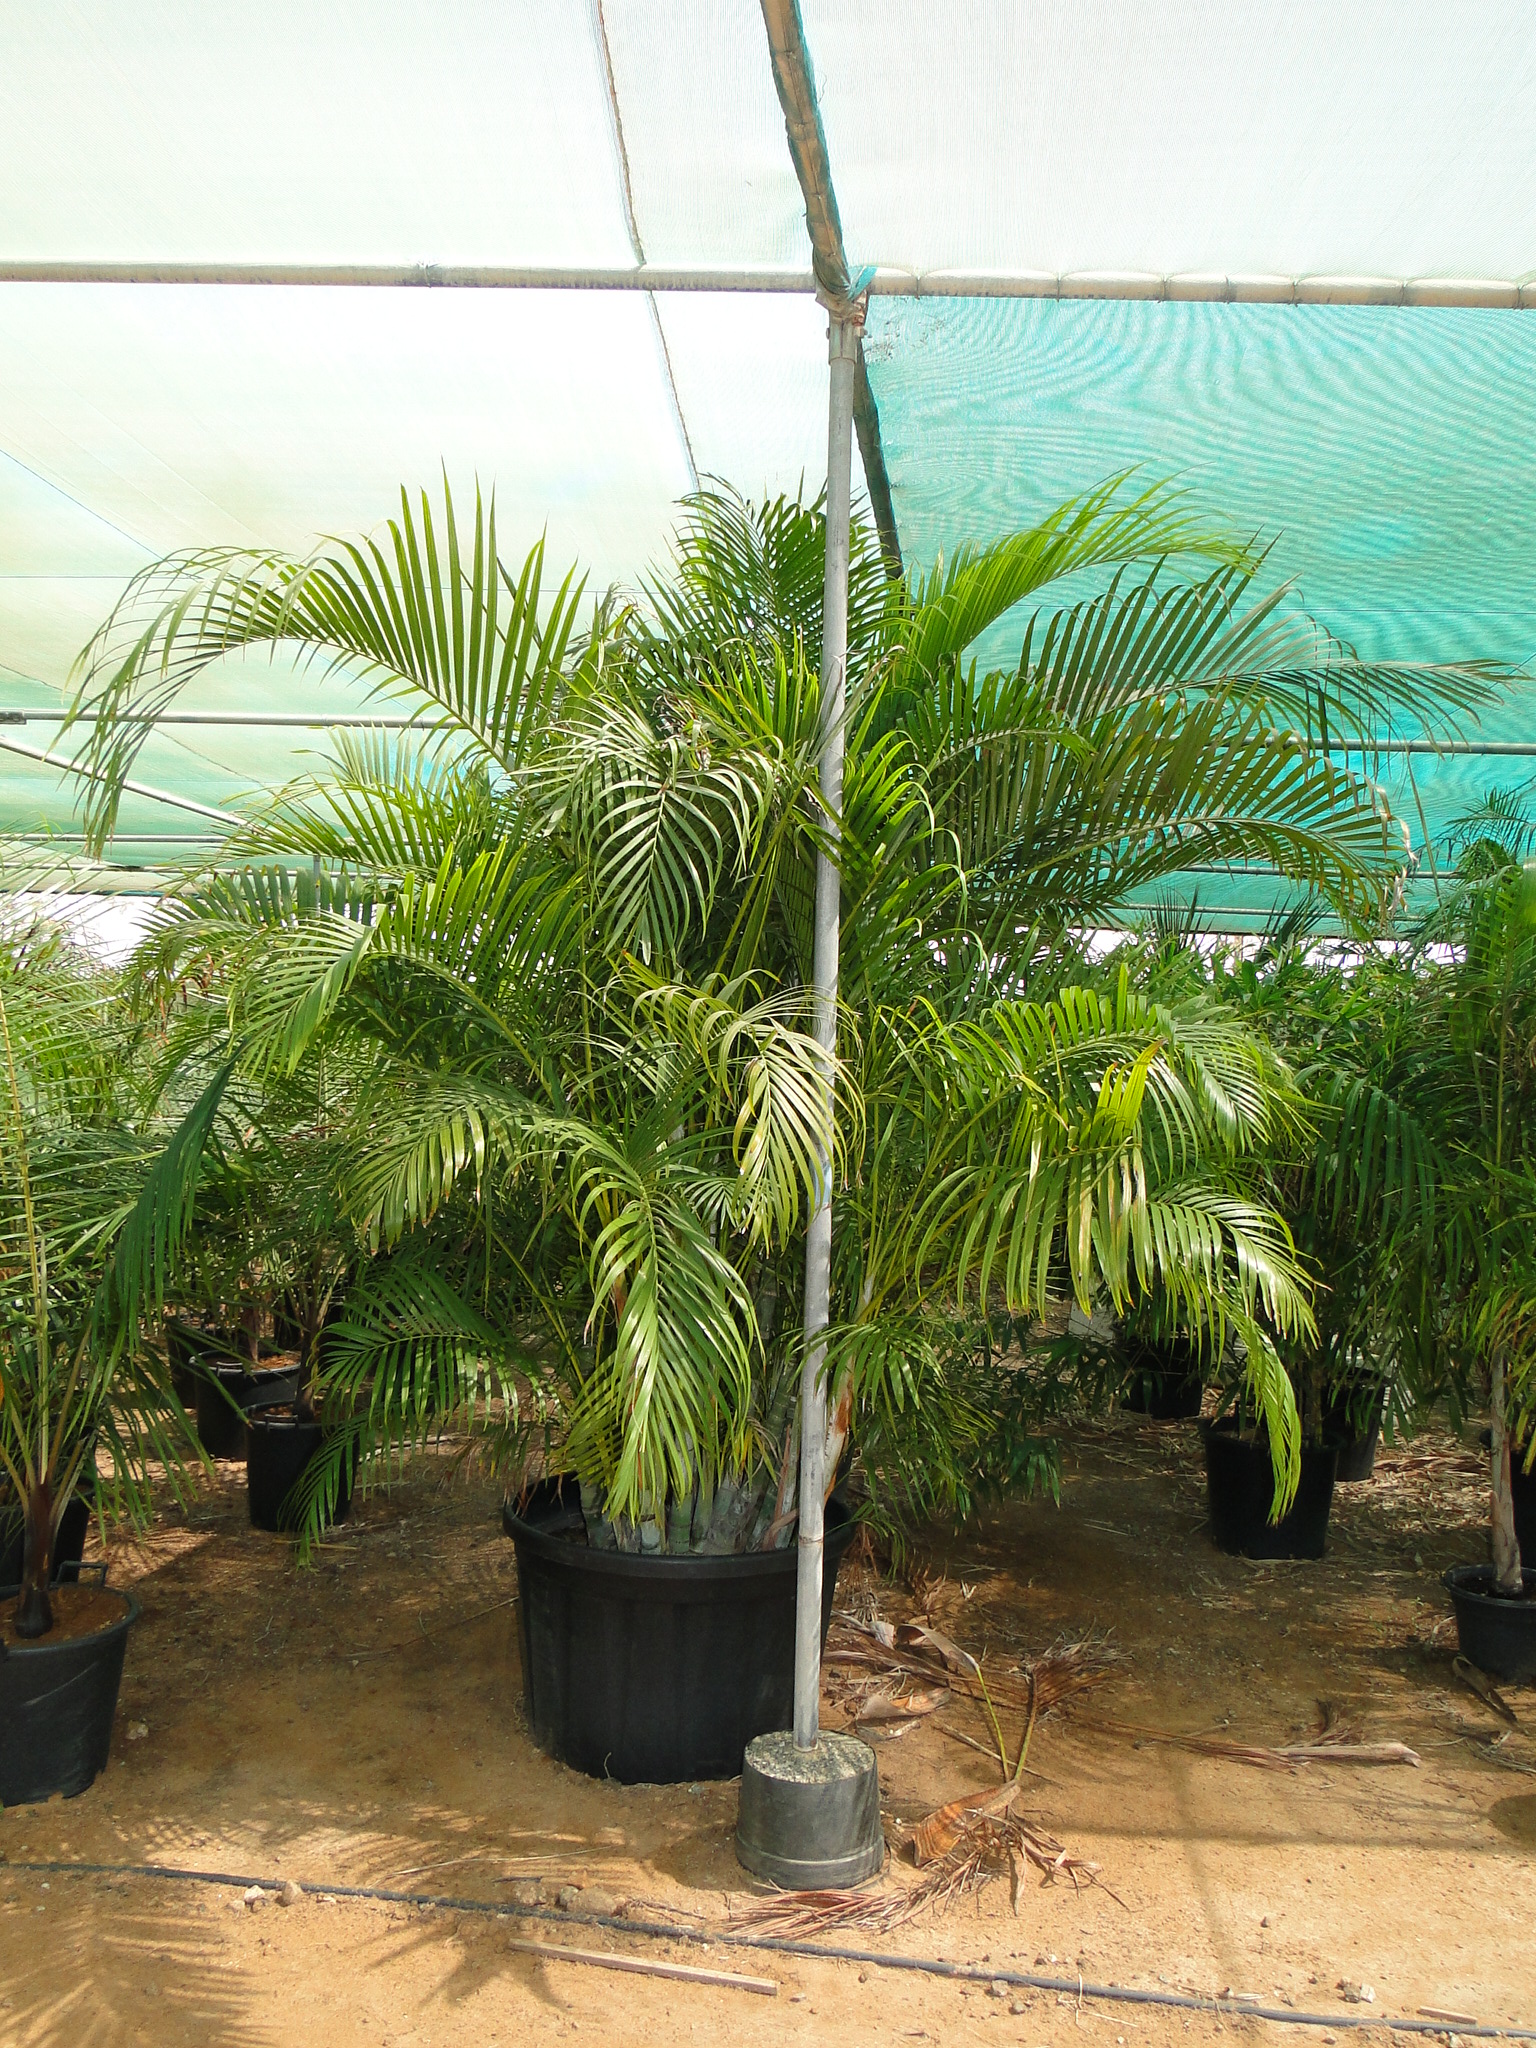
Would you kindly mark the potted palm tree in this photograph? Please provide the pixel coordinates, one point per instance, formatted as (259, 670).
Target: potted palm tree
(564, 946)
(1475, 1071)
(76, 1384)
(1355, 1178)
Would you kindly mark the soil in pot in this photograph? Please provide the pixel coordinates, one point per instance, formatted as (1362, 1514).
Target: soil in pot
(654, 1670)
(1496, 1631)
(58, 1694)
(278, 1448)
(228, 1392)
(1240, 1482)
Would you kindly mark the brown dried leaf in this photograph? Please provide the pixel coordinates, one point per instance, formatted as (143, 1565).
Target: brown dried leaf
(885, 1706)
(938, 1833)
(913, 1635)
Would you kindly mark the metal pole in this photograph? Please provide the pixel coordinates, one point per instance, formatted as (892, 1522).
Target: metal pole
(843, 336)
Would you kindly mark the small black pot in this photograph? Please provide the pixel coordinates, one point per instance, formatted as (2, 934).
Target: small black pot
(68, 1545)
(1496, 1633)
(227, 1393)
(1240, 1482)
(654, 1670)
(278, 1447)
(1167, 1382)
(1357, 1446)
(56, 1706)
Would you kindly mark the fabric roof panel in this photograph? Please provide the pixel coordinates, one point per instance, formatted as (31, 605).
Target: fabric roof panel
(1388, 137)
(751, 378)
(710, 176)
(1390, 453)
(254, 416)
(361, 131)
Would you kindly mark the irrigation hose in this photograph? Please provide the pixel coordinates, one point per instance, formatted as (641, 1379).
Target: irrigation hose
(927, 1966)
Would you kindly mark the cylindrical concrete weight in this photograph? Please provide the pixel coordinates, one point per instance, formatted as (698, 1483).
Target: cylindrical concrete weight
(809, 1819)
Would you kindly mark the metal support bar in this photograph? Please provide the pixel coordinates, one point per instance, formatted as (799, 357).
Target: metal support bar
(844, 345)
(323, 720)
(645, 277)
(146, 789)
(1512, 294)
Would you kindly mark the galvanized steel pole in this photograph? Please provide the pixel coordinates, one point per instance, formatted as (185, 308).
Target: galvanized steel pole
(843, 335)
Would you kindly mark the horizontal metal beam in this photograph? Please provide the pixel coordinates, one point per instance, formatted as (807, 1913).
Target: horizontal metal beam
(325, 721)
(322, 720)
(37, 837)
(642, 277)
(1173, 287)
(1208, 287)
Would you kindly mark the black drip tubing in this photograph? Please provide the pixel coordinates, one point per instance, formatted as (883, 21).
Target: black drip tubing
(928, 1966)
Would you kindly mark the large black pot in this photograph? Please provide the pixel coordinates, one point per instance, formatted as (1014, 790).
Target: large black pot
(277, 1449)
(1496, 1633)
(1240, 1483)
(57, 1700)
(652, 1670)
(227, 1393)
(1522, 1487)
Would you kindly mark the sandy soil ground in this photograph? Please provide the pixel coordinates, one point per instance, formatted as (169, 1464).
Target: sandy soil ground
(360, 1724)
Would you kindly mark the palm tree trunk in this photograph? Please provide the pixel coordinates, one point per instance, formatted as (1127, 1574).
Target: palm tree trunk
(1506, 1550)
(34, 1610)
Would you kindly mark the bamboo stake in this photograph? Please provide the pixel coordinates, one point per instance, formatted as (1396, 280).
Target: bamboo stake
(644, 1966)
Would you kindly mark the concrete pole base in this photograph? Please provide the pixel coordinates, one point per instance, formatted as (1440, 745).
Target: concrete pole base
(809, 1819)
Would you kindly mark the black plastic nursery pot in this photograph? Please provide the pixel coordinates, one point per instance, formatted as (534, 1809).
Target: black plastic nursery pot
(278, 1448)
(1497, 1632)
(1357, 1445)
(1167, 1384)
(1522, 1487)
(227, 1393)
(654, 1670)
(57, 1700)
(1240, 1482)
(68, 1544)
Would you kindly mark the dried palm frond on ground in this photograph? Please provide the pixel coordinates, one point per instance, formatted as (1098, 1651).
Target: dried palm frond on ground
(1286, 1757)
(969, 1842)
(867, 1656)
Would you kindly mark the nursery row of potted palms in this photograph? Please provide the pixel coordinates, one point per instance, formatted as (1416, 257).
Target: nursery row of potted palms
(496, 1041)
(1407, 1187)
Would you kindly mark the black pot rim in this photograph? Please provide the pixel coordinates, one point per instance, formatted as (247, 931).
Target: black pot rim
(42, 1647)
(1462, 1582)
(1225, 1427)
(664, 1568)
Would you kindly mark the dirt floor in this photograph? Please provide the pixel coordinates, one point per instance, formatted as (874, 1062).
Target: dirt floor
(360, 1724)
